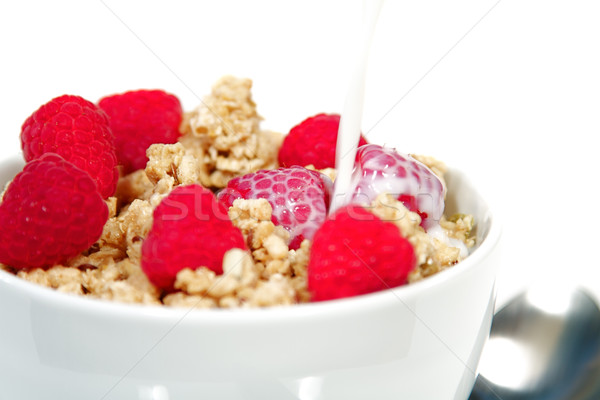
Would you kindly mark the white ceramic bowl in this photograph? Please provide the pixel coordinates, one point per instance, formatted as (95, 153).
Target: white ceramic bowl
(421, 341)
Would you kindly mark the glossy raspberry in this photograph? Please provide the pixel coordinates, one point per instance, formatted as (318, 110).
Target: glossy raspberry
(299, 198)
(77, 130)
(50, 212)
(355, 253)
(384, 170)
(190, 229)
(313, 141)
(138, 119)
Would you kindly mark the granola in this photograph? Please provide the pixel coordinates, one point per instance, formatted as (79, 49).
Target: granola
(220, 140)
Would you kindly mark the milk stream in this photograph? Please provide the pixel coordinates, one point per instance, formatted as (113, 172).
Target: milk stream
(350, 125)
(351, 118)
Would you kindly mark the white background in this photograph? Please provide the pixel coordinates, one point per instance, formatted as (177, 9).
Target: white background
(508, 90)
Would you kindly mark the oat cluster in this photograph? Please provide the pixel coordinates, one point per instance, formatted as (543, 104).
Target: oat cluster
(224, 136)
(433, 254)
(220, 140)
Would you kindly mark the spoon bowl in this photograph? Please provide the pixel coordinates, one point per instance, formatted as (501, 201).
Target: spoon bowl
(545, 344)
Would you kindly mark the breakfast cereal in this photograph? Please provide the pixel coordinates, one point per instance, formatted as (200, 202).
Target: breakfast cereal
(222, 139)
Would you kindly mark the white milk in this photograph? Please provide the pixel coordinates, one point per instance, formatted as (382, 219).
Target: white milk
(349, 131)
(350, 127)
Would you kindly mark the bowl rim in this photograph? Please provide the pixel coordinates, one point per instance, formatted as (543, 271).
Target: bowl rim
(403, 294)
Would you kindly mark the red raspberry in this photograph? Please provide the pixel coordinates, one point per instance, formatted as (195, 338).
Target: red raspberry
(355, 253)
(77, 130)
(50, 212)
(313, 141)
(299, 198)
(383, 170)
(191, 229)
(138, 119)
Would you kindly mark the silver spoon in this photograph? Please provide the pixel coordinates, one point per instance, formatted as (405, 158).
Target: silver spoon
(545, 344)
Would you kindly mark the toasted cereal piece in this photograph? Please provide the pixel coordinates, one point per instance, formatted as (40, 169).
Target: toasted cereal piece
(423, 271)
(275, 291)
(445, 255)
(253, 218)
(195, 282)
(64, 279)
(113, 234)
(300, 286)
(59, 275)
(121, 237)
(250, 211)
(181, 299)
(268, 242)
(96, 257)
(238, 271)
(276, 246)
(389, 209)
(124, 292)
(139, 281)
(137, 221)
(97, 280)
(224, 134)
(111, 203)
(277, 266)
(135, 185)
(35, 275)
(174, 161)
(224, 285)
(239, 264)
(331, 173)
(432, 255)
(460, 226)
(299, 260)
(71, 288)
(123, 281)
(229, 302)
(273, 254)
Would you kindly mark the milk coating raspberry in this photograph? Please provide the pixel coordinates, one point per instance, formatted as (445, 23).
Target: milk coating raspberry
(354, 252)
(299, 198)
(190, 229)
(50, 212)
(384, 170)
(139, 118)
(77, 130)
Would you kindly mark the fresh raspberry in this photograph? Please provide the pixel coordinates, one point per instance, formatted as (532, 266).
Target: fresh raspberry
(299, 198)
(50, 212)
(190, 229)
(313, 141)
(354, 252)
(77, 130)
(138, 119)
(384, 170)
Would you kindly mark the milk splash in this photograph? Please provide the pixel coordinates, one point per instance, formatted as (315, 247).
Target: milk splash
(350, 122)
(350, 129)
